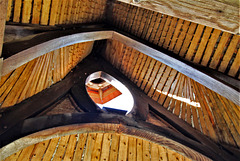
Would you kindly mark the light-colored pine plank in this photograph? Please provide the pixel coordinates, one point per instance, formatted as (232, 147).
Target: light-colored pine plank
(132, 149)
(176, 34)
(89, 146)
(39, 150)
(17, 10)
(53, 14)
(61, 148)
(96, 154)
(202, 45)
(163, 153)
(228, 55)
(50, 149)
(14, 156)
(235, 65)
(219, 51)
(26, 11)
(45, 12)
(194, 42)
(37, 7)
(210, 47)
(106, 147)
(123, 148)
(68, 156)
(114, 147)
(139, 149)
(80, 146)
(26, 153)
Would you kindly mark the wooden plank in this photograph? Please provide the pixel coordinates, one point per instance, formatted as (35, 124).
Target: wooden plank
(163, 153)
(45, 12)
(139, 149)
(37, 7)
(176, 34)
(228, 55)
(194, 43)
(61, 148)
(170, 32)
(1, 64)
(155, 70)
(210, 47)
(202, 45)
(235, 65)
(17, 60)
(219, 51)
(70, 147)
(165, 30)
(114, 147)
(154, 151)
(123, 148)
(224, 14)
(53, 14)
(181, 37)
(9, 10)
(185, 69)
(146, 150)
(187, 40)
(26, 11)
(26, 153)
(96, 154)
(148, 73)
(80, 146)
(13, 95)
(151, 26)
(155, 28)
(160, 29)
(39, 150)
(14, 156)
(105, 147)
(157, 79)
(143, 71)
(17, 11)
(51, 148)
(89, 146)
(132, 149)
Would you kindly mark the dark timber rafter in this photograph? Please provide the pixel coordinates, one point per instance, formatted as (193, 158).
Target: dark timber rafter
(41, 45)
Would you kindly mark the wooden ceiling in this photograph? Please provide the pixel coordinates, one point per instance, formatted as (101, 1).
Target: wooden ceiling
(96, 146)
(201, 40)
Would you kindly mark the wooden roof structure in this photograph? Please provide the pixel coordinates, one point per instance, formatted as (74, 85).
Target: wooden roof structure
(179, 59)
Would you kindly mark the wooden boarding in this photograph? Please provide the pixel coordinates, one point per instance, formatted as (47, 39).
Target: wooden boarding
(3, 17)
(222, 13)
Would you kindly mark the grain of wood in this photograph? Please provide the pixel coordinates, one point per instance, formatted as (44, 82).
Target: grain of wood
(139, 149)
(80, 146)
(50, 149)
(235, 65)
(228, 55)
(37, 7)
(39, 150)
(194, 43)
(163, 153)
(61, 148)
(26, 153)
(45, 12)
(26, 11)
(89, 146)
(68, 156)
(96, 154)
(200, 51)
(54, 12)
(14, 156)
(219, 51)
(123, 148)
(176, 34)
(210, 47)
(114, 147)
(105, 146)
(9, 10)
(17, 10)
(132, 149)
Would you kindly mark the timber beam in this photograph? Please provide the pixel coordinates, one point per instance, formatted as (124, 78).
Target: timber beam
(219, 14)
(44, 43)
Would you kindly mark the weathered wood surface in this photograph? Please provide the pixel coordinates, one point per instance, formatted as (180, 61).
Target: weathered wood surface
(193, 42)
(192, 102)
(23, 57)
(182, 67)
(218, 14)
(141, 100)
(53, 12)
(3, 15)
(41, 73)
(1, 63)
(29, 54)
(93, 143)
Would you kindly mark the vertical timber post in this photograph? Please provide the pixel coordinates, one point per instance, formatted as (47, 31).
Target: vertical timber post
(3, 15)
